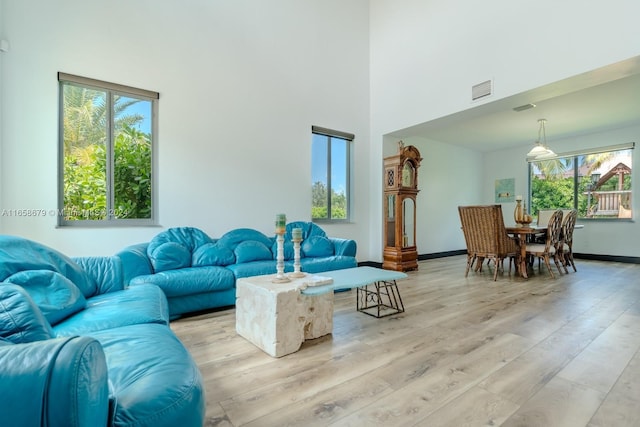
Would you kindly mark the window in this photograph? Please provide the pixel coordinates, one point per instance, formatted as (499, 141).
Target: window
(106, 153)
(330, 174)
(597, 182)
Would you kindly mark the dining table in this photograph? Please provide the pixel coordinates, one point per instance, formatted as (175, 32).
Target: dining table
(522, 232)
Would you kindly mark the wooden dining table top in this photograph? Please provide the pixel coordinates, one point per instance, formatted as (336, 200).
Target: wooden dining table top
(528, 229)
(531, 229)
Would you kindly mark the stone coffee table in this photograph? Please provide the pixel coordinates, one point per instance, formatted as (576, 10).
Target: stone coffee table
(279, 317)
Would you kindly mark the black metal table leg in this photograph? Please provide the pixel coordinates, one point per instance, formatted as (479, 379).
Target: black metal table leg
(383, 297)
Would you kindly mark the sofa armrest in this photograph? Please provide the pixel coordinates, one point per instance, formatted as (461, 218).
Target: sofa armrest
(57, 382)
(344, 247)
(135, 262)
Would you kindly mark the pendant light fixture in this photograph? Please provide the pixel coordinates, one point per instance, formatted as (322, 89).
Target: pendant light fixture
(541, 150)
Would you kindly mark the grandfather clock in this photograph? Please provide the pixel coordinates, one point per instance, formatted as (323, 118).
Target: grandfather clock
(400, 191)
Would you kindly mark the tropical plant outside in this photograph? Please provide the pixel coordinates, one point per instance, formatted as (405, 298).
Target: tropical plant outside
(319, 203)
(87, 163)
(553, 183)
(329, 170)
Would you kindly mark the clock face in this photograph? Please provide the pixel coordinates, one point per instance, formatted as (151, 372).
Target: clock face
(407, 175)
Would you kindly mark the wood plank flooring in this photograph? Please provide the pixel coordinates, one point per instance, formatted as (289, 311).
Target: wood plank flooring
(466, 352)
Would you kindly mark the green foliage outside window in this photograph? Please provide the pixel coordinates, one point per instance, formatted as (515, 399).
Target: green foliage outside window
(330, 175)
(319, 203)
(557, 194)
(132, 174)
(553, 183)
(87, 166)
(85, 179)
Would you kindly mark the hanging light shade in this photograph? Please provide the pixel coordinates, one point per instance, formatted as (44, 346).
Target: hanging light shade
(541, 150)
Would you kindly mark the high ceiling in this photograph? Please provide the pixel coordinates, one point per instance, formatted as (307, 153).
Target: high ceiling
(603, 99)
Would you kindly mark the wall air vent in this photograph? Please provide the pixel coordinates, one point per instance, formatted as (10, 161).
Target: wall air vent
(481, 90)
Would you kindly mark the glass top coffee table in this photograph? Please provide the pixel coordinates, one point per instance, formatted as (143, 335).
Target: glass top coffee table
(378, 293)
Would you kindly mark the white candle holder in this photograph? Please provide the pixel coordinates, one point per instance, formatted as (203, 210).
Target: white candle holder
(296, 259)
(280, 276)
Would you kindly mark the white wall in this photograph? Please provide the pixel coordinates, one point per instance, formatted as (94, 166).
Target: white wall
(448, 177)
(426, 56)
(241, 83)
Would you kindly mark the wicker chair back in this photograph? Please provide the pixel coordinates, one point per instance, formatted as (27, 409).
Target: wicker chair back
(486, 236)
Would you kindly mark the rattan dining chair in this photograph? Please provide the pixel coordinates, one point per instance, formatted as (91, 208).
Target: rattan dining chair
(486, 237)
(544, 215)
(566, 246)
(551, 248)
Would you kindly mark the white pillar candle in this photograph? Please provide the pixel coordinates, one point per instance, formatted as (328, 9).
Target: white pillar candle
(281, 223)
(296, 233)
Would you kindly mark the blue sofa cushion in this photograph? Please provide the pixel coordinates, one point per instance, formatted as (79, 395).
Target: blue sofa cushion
(20, 319)
(20, 254)
(172, 248)
(170, 256)
(255, 268)
(132, 306)
(56, 295)
(252, 250)
(153, 376)
(317, 246)
(186, 281)
(189, 237)
(288, 250)
(308, 229)
(233, 238)
(212, 254)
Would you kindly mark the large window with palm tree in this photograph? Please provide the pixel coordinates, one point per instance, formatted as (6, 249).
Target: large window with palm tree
(106, 153)
(596, 182)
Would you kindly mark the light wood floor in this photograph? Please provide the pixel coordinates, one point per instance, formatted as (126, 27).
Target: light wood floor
(467, 352)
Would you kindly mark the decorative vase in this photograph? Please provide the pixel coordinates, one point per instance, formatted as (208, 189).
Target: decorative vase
(526, 218)
(518, 213)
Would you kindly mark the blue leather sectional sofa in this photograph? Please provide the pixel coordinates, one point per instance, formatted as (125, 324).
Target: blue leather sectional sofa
(86, 341)
(197, 272)
(77, 348)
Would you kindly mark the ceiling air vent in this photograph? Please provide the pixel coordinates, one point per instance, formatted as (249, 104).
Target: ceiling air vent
(481, 90)
(524, 107)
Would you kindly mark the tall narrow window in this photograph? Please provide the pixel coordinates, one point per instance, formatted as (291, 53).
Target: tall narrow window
(330, 158)
(106, 153)
(596, 182)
